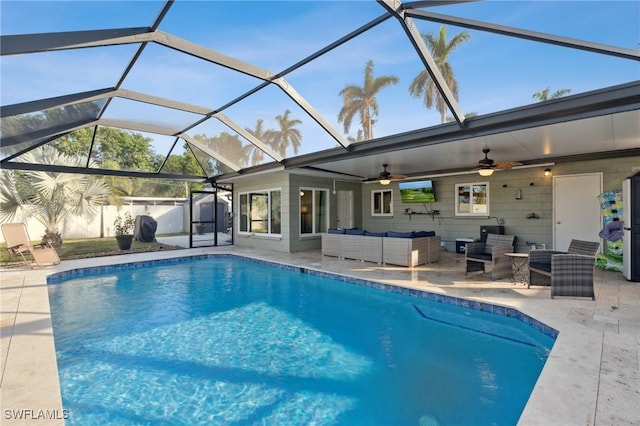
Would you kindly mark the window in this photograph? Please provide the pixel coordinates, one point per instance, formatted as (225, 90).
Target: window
(382, 202)
(472, 199)
(260, 212)
(314, 210)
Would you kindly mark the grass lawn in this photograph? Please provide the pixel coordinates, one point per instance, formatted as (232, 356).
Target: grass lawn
(89, 247)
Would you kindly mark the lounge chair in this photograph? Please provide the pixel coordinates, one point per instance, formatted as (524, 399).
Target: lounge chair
(570, 273)
(19, 243)
(491, 252)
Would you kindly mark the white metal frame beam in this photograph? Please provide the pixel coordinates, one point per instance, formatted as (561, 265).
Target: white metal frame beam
(395, 7)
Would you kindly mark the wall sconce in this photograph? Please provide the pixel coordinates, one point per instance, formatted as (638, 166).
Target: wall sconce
(302, 193)
(519, 194)
(547, 172)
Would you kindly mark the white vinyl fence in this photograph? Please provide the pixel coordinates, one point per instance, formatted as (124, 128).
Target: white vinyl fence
(171, 219)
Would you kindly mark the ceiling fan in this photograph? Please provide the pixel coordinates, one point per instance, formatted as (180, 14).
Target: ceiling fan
(385, 177)
(487, 166)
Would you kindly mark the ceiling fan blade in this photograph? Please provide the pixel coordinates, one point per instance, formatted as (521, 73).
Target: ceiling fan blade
(507, 165)
(397, 177)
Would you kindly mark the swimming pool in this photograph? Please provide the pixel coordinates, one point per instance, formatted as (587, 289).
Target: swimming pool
(228, 340)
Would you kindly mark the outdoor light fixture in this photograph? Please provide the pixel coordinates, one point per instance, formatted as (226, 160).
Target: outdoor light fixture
(485, 172)
(385, 181)
(547, 172)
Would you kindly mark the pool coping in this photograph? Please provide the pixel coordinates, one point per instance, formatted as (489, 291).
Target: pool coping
(571, 389)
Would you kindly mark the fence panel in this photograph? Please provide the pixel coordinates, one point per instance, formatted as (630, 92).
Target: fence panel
(171, 220)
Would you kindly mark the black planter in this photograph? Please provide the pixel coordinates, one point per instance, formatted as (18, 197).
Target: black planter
(199, 229)
(124, 241)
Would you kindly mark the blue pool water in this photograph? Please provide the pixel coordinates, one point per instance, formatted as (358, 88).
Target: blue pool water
(227, 340)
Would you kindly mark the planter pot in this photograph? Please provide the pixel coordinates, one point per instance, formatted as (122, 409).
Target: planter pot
(199, 229)
(124, 241)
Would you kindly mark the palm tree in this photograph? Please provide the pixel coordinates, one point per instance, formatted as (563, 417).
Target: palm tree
(359, 137)
(423, 86)
(49, 197)
(286, 135)
(362, 100)
(255, 154)
(544, 94)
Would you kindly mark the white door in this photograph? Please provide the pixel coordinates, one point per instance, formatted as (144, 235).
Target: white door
(345, 209)
(576, 208)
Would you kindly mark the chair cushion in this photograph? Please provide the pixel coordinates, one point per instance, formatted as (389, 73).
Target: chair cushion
(375, 234)
(541, 266)
(355, 231)
(479, 256)
(400, 234)
(335, 231)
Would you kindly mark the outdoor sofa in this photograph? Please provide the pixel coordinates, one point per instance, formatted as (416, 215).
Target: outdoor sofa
(394, 248)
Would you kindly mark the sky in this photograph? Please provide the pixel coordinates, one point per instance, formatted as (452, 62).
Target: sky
(494, 73)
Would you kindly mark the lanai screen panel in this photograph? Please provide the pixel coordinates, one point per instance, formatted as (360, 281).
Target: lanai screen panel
(495, 72)
(45, 75)
(150, 115)
(272, 35)
(171, 74)
(392, 58)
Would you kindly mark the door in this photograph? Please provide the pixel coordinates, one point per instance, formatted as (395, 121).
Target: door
(345, 209)
(576, 208)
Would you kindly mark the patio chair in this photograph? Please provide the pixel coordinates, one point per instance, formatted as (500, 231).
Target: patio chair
(491, 252)
(19, 243)
(570, 273)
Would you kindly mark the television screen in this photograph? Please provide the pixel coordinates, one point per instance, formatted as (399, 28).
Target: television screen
(417, 192)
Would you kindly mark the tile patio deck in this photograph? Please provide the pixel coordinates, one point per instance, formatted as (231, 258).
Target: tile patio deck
(592, 376)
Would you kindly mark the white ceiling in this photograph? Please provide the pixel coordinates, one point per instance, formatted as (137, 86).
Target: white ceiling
(596, 135)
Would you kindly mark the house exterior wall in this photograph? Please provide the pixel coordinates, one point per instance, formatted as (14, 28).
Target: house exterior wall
(537, 197)
(264, 242)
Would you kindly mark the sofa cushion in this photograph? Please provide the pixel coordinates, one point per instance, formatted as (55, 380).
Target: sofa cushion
(355, 231)
(419, 234)
(335, 231)
(375, 234)
(400, 234)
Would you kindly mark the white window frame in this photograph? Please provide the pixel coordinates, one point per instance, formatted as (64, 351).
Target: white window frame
(474, 208)
(269, 232)
(314, 225)
(380, 193)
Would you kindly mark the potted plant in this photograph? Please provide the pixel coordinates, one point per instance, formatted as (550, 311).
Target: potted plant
(123, 226)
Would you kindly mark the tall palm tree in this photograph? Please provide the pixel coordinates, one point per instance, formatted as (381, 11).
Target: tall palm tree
(49, 197)
(362, 100)
(545, 95)
(423, 86)
(255, 154)
(286, 135)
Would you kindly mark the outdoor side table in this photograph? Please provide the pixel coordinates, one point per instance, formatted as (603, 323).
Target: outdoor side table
(520, 266)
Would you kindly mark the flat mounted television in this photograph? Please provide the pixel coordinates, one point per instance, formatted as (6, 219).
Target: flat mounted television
(420, 191)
